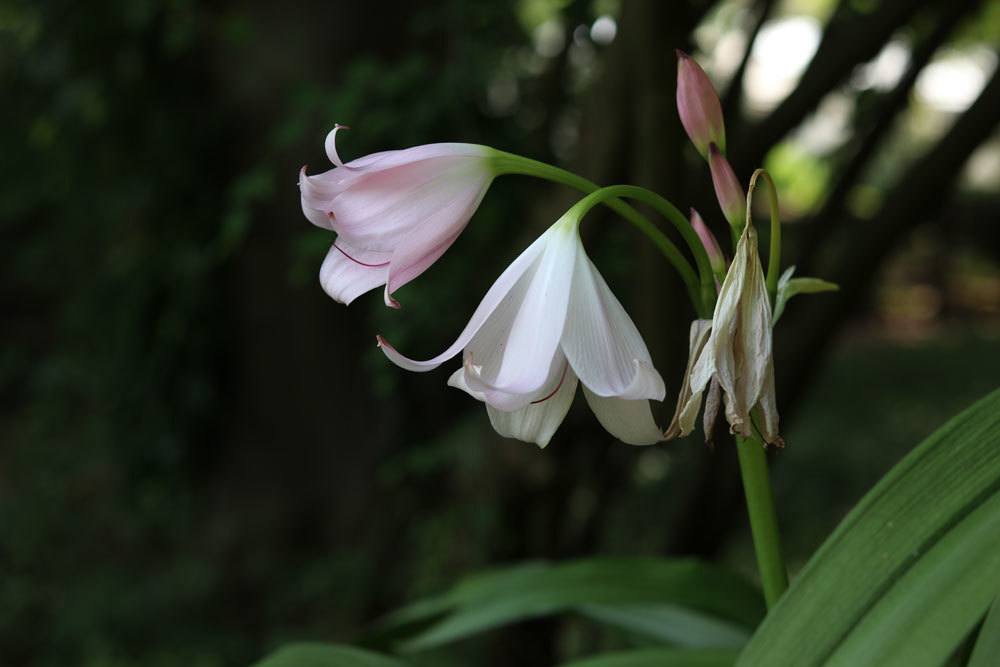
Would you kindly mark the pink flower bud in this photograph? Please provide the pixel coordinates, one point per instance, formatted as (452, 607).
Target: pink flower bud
(715, 257)
(728, 190)
(698, 106)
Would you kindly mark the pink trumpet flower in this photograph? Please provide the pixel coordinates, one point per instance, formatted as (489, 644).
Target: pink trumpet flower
(548, 323)
(698, 106)
(395, 213)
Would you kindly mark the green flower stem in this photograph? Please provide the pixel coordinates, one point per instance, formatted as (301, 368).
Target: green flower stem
(663, 206)
(774, 253)
(763, 518)
(508, 163)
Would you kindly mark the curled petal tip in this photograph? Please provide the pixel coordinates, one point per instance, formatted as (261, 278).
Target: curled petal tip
(681, 55)
(331, 145)
(389, 300)
(338, 126)
(381, 342)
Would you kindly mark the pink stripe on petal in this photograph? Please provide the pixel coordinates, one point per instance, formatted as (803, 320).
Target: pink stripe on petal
(358, 261)
(350, 272)
(562, 378)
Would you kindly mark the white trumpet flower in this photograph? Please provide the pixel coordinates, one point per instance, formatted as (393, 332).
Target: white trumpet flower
(548, 323)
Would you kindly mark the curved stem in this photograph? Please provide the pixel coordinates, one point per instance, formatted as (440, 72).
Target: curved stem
(774, 251)
(509, 163)
(763, 518)
(663, 206)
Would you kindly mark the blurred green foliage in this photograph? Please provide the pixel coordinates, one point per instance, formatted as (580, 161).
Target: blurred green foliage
(154, 261)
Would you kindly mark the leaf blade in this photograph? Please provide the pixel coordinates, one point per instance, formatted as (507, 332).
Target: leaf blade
(484, 602)
(949, 477)
(314, 654)
(987, 648)
(660, 658)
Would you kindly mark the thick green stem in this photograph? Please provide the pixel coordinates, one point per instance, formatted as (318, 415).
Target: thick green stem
(509, 163)
(763, 518)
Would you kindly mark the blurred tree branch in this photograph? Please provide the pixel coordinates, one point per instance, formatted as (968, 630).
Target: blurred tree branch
(921, 193)
(851, 37)
(733, 97)
(867, 143)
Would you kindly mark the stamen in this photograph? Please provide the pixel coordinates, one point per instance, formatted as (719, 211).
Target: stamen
(558, 386)
(370, 266)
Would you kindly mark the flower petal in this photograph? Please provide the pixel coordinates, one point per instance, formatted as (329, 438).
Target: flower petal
(348, 272)
(517, 346)
(711, 410)
(631, 421)
(718, 358)
(404, 156)
(429, 240)
(394, 158)
(380, 210)
(769, 411)
(741, 335)
(511, 283)
(538, 421)
(457, 380)
(753, 351)
(689, 398)
(601, 342)
(318, 191)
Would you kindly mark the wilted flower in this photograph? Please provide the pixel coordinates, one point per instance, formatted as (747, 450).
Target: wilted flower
(548, 322)
(698, 106)
(395, 213)
(729, 192)
(733, 353)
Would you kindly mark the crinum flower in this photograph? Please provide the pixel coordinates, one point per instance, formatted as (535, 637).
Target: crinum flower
(548, 323)
(395, 212)
(732, 353)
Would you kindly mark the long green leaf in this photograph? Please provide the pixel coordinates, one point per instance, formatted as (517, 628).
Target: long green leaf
(660, 657)
(986, 652)
(326, 655)
(497, 598)
(910, 571)
(670, 624)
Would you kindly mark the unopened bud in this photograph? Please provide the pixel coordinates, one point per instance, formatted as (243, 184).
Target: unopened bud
(698, 106)
(715, 257)
(728, 190)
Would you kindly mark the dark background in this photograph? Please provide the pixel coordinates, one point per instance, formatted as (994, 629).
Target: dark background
(203, 456)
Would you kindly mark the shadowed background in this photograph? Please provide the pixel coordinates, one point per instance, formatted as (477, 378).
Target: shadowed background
(202, 455)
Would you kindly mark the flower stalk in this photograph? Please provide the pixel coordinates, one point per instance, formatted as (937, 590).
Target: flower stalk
(699, 284)
(763, 517)
(774, 248)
